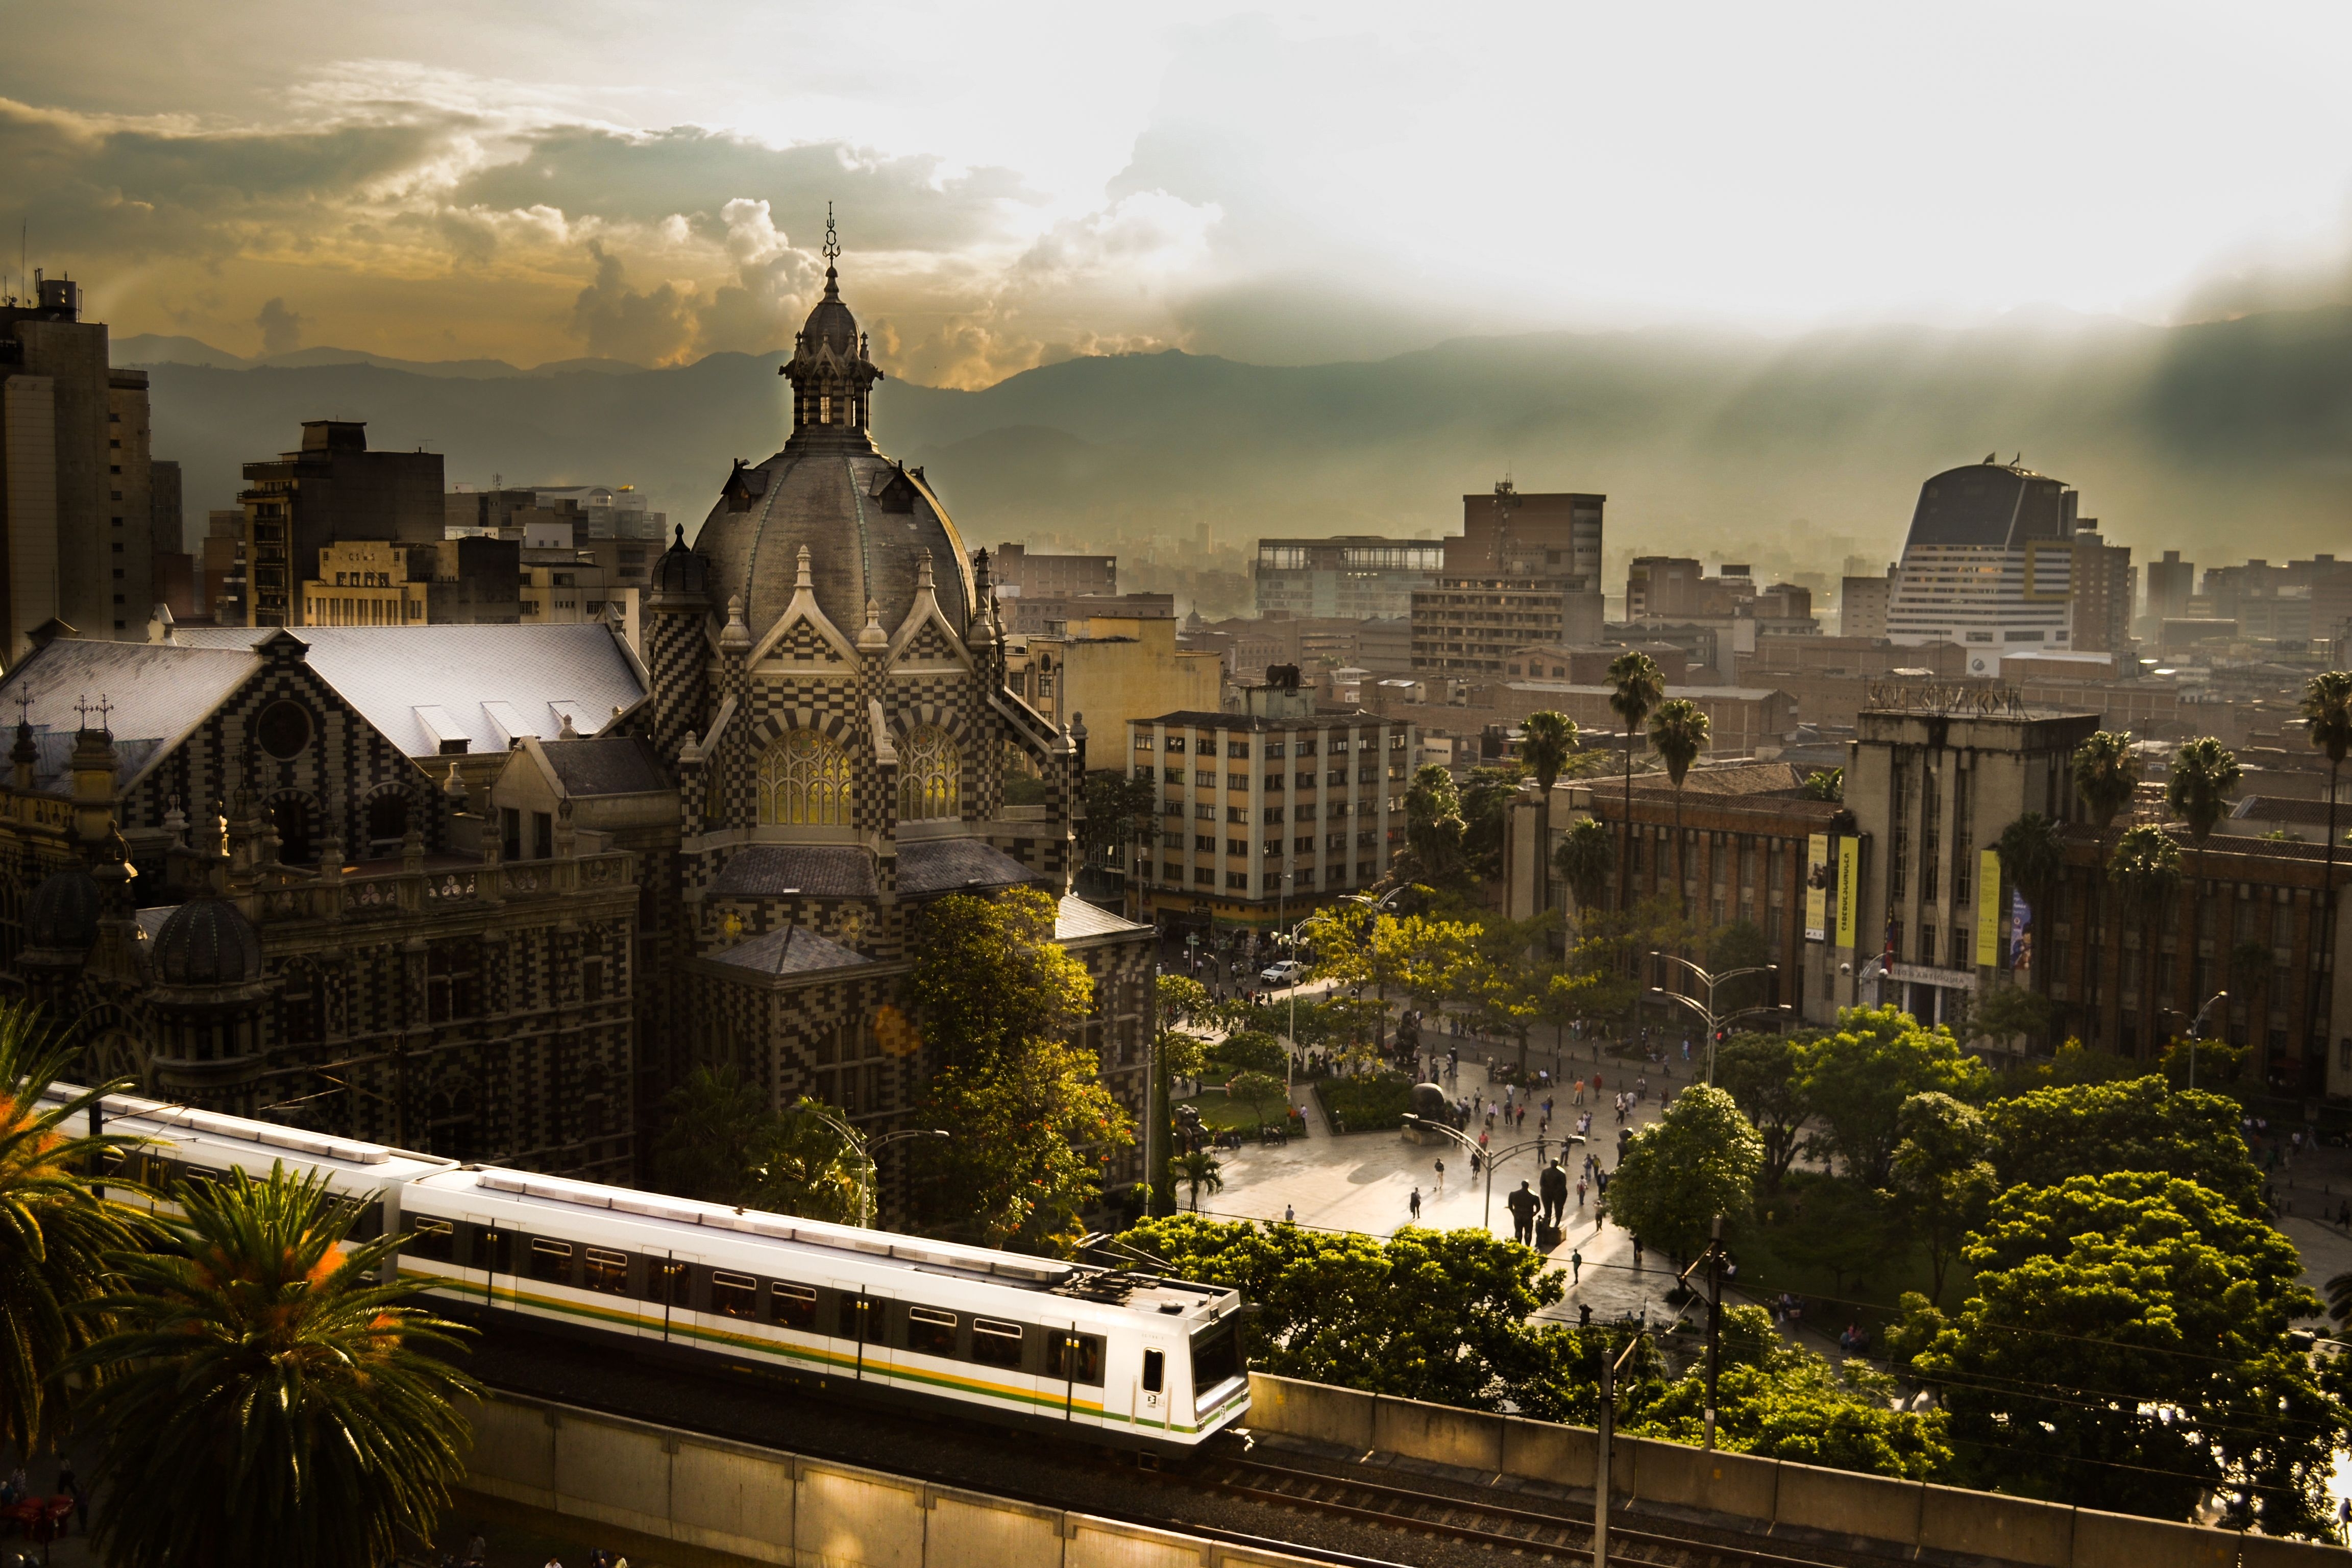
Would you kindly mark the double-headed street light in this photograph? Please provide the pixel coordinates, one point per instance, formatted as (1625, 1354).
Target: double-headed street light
(2197, 1032)
(1491, 1158)
(865, 1147)
(1714, 1020)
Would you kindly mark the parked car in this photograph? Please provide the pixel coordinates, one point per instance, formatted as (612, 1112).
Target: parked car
(1287, 972)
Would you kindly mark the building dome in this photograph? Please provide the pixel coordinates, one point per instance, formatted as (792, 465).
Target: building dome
(682, 571)
(63, 911)
(867, 521)
(207, 942)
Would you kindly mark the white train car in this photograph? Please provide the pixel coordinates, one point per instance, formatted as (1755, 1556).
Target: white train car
(180, 1144)
(1119, 1357)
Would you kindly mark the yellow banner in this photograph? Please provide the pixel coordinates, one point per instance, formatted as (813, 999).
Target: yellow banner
(1988, 908)
(1817, 888)
(1849, 889)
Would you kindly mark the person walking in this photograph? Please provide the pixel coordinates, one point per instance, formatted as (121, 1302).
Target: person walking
(1576, 1260)
(1579, 1195)
(1289, 1214)
(1440, 1179)
(1415, 1204)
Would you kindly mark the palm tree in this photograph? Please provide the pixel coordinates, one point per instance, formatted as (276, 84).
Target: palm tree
(805, 1166)
(1586, 857)
(1640, 687)
(2106, 776)
(267, 1399)
(56, 1233)
(1678, 733)
(2034, 858)
(2204, 772)
(1198, 1170)
(2328, 719)
(1824, 783)
(1545, 745)
(2146, 871)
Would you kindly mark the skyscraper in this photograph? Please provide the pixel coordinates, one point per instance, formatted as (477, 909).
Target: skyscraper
(1989, 564)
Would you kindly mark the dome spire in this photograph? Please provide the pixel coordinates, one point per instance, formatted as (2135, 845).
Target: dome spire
(831, 254)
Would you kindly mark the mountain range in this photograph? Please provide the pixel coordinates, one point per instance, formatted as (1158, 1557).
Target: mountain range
(2222, 439)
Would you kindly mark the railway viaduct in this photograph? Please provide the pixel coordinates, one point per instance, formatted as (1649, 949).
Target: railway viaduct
(1331, 1475)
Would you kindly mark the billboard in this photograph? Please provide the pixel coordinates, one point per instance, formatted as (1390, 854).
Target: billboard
(1817, 888)
(1849, 887)
(1988, 908)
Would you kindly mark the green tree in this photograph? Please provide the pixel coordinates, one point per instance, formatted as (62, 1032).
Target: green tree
(1824, 783)
(1438, 1315)
(1548, 739)
(1119, 810)
(266, 1398)
(2034, 858)
(2204, 772)
(1586, 860)
(2106, 776)
(1738, 944)
(1697, 1161)
(1764, 1075)
(1781, 1401)
(2327, 721)
(801, 1164)
(2007, 1011)
(1678, 733)
(1253, 1050)
(1180, 1006)
(1499, 976)
(1260, 1092)
(1857, 1078)
(2124, 1348)
(2145, 869)
(56, 1233)
(1486, 796)
(713, 1128)
(1637, 686)
(1200, 1172)
(1434, 828)
(1943, 1179)
(1015, 1166)
(988, 977)
(2139, 1124)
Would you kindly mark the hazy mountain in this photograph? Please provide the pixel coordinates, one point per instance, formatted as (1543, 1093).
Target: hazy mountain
(146, 349)
(2231, 438)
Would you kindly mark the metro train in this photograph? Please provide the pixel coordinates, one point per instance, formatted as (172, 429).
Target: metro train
(1114, 1355)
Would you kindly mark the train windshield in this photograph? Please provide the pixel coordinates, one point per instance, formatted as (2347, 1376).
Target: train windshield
(1216, 1358)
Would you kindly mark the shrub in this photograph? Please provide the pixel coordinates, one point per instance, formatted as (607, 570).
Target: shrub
(1365, 1104)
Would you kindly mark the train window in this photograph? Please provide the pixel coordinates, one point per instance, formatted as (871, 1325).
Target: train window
(998, 1344)
(201, 1175)
(493, 1250)
(1155, 1370)
(734, 1295)
(550, 1260)
(436, 1240)
(608, 1271)
(1216, 1359)
(1074, 1358)
(367, 1221)
(791, 1306)
(929, 1332)
(856, 1319)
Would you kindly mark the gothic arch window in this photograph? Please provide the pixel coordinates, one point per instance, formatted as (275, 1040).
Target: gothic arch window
(928, 771)
(804, 781)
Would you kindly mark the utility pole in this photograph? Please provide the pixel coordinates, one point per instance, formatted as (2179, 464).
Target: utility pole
(1608, 1429)
(1714, 1321)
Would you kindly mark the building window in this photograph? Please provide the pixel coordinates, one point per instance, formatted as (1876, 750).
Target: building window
(928, 775)
(453, 973)
(804, 780)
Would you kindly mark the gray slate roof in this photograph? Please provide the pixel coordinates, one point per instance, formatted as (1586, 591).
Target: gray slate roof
(789, 952)
(156, 694)
(606, 764)
(812, 870)
(956, 865)
(489, 684)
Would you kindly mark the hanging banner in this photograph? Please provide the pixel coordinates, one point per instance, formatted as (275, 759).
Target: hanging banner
(1817, 888)
(1988, 908)
(1849, 887)
(2020, 931)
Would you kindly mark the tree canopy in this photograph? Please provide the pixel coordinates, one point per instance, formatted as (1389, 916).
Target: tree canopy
(2044, 1137)
(1697, 1161)
(1764, 1076)
(1857, 1078)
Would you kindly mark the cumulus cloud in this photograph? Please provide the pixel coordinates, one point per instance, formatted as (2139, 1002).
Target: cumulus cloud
(617, 321)
(281, 329)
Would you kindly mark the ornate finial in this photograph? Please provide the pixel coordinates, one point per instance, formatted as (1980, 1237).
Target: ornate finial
(923, 572)
(832, 252)
(102, 708)
(24, 708)
(873, 636)
(806, 580)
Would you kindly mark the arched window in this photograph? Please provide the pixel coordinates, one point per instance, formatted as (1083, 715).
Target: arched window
(804, 780)
(927, 773)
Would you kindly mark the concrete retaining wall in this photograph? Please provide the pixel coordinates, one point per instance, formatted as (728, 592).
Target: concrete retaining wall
(1741, 1492)
(764, 1506)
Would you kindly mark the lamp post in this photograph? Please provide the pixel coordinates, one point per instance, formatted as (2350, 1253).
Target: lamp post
(1716, 1021)
(1718, 1266)
(868, 1171)
(2197, 1032)
(1490, 1159)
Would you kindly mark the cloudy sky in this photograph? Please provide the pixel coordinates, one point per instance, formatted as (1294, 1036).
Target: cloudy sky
(1017, 182)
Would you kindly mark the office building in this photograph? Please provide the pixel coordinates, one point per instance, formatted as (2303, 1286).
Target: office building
(1989, 564)
(75, 484)
(2170, 584)
(328, 490)
(1023, 572)
(1351, 577)
(1109, 670)
(2105, 588)
(607, 512)
(1863, 603)
(222, 567)
(1046, 614)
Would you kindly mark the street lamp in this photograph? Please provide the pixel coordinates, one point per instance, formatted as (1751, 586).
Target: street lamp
(865, 1148)
(2197, 1032)
(1716, 1021)
(1491, 1159)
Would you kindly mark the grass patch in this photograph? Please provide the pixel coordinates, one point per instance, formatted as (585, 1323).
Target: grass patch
(1221, 1114)
(1364, 1104)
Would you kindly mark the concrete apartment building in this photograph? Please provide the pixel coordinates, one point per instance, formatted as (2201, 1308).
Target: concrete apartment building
(1863, 603)
(1024, 574)
(2171, 583)
(75, 481)
(1524, 569)
(220, 567)
(1267, 813)
(329, 489)
(2106, 589)
(1348, 577)
(1109, 671)
(472, 580)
